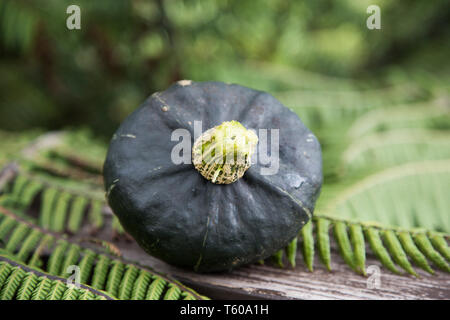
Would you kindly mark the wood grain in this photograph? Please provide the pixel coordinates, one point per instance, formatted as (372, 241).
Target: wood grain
(271, 282)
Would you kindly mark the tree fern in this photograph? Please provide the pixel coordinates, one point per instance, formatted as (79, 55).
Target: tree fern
(421, 115)
(25, 283)
(410, 195)
(392, 246)
(127, 283)
(120, 278)
(396, 147)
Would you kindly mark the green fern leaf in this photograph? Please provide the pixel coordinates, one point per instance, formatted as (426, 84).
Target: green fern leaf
(42, 289)
(323, 241)
(291, 251)
(101, 272)
(173, 292)
(438, 242)
(17, 236)
(373, 235)
(156, 288)
(71, 293)
(71, 258)
(141, 285)
(126, 286)
(86, 265)
(48, 199)
(278, 258)
(397, 252)
(76, 213)
(308, 245)
(29, 284)
(427, 249)
(6, 225)
(59, 212)
(343, 241)
(359, 245)
(56, 259)
(10, 286)
(57, 291)
(413, 252)
(115, 277)
(95, 214)
(29, 244)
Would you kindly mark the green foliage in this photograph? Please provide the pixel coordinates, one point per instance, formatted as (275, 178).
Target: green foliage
(117, 277)
(54, 77)
(390, 245)
(377, 101)
(20, 282)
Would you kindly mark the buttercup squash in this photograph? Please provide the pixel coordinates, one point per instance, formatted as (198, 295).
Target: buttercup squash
(210, 215)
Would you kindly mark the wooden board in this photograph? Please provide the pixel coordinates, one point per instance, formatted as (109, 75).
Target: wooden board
(271, 282)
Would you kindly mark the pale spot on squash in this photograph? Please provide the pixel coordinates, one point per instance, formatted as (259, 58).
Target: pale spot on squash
(184, 83)
(128, 135)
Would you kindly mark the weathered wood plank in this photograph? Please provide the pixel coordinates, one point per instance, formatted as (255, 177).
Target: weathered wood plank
(270, 282)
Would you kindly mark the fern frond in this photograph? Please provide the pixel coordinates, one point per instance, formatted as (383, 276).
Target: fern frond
(101, 272)
(359, 246)
(115, 277)
(406, 116)
(59, 212)
(278, 258)
(426, 247)
(42, 289)
(29, 244)
(308, 245)
(396, 147)
(76, 214)
(56, 259)
(380, 251)
(46, 241)
(11, 284)
(173, 292)
(323, 241)
(155, 289)
(29, 284)
(412, 192)
(141, 285)
(127, 283)
(86, 265)
(413, 252)
(28, 194)
(16, 237)
(391, 246)
(71, 258)
(48, 199)
(57, 291)
(25, 283)
(291, 251)
(441, 245)
(6, 225)
(343, 241)
(95, 214)
(396, 250)
(71, 293)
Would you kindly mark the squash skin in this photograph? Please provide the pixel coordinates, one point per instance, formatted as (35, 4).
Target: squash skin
(177, 215)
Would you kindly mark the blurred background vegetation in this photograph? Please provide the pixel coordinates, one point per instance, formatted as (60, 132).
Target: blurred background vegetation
(53, 78)
(378, 100)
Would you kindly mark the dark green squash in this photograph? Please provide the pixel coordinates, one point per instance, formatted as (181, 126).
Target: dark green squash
(177, 215)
